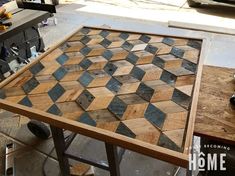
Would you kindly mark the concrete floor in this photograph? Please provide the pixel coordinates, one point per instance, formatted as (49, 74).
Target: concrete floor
(148, 16)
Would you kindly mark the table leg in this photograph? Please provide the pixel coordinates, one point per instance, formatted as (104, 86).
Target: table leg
(113, 160)
(60, 147)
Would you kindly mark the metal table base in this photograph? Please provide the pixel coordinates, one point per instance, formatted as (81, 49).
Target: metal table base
(113, 155)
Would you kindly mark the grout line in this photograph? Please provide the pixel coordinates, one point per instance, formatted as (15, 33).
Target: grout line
(26, 145)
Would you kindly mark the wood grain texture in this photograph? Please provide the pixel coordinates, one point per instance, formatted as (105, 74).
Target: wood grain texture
(215, 117)
(105, 84)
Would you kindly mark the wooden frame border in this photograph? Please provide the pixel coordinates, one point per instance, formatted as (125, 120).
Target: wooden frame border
(180, 159)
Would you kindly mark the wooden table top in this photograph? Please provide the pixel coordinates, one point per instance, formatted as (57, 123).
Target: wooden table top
(131, 89)
(215, 116)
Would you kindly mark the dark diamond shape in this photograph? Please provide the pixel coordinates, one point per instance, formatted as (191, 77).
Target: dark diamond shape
(85, 30)
(64, 46)
(145, 38)
(124, 35)
(85, 99)
(26, 102)
(56, 92)
(30, 85)
(137, 73)
(177, 52)
(168, 77)
(189, 66)
(2, 94)
(60, 73)
(85, 79)
(117, 107)
(36, 68)
(110, 68)
(54, 110)
(145, 92)
(165, 142)
(107, 54)
(152, 49)
(104, 33)
(85, 118)
(62, 59)
(168, 41)
(181, 99)
(85, 63)
(132, 58)
(124, 130)
(127, 46)
(85, 51)
(158, 62)
(113, 85)
(155, 116)
(85, 39)
(105, 43)
(195, 44)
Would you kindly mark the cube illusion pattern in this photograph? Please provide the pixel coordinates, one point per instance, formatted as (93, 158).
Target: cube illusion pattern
(133, 84)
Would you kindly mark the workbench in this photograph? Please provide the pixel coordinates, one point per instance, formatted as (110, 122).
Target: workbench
(23, 19)
(215, 119)
(134, 90)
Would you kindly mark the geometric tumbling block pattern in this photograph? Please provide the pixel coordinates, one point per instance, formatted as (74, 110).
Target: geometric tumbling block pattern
(132, 84)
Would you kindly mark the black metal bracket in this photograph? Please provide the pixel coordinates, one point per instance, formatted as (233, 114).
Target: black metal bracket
(36, 6)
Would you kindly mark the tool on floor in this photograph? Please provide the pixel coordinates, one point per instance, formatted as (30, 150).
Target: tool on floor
(9, 160)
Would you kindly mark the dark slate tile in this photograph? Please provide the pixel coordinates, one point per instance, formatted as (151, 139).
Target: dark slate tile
(181, 99)
(105, 43)
(127, 46)
(104, 33)
(152, 49)
(168, 77)
(195, 44)
(62, 59)
(85, 39)
(85, 63)
(64, 46)
(110, 68)
(30, 85)
(56, 92)
(85, 30)
(54, 110)
(60, 73)
(145, 92)
(26, 102)
(107, 54)
(85, 99)
(85, 51)
(124, 130)
(165, 142)
(158, 62)
(168, 41)
(113, 85)
(177, 52)
(124, 35)
(117, 107)
(85, 118)
(145, 38)
(189, 66)
(36, 68)
(132, 58)
(85, 79)
(2, 94)
(137, 73)
(155, 116)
